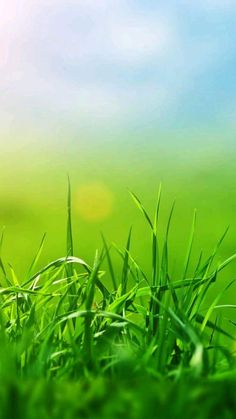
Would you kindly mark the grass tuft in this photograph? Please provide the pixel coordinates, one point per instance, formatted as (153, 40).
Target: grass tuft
(72, 321)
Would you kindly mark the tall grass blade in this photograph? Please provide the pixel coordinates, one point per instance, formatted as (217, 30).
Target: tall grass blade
(190, 245)
(155, 250)
(125, 270)
(37, 257)
(142, 209)
(110, 266)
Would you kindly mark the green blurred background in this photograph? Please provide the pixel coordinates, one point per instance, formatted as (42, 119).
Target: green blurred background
(34, 194)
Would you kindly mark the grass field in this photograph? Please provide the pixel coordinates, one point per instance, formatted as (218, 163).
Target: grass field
(112, 336)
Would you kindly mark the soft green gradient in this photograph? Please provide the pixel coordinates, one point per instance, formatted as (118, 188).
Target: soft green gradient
(34, 186)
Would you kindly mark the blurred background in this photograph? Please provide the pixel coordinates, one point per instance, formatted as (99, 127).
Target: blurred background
(118, 94)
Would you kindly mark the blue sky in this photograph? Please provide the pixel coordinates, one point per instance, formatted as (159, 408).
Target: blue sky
(97, 63)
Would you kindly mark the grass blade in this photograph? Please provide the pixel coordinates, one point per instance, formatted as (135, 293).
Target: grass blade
(125, 270)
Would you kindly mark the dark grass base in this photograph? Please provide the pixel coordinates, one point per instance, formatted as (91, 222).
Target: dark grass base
(130, 397)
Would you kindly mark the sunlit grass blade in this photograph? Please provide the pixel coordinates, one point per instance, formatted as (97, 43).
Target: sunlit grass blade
(90, 291)
(56, 264)
(165, 257)
(204, 270)
(142, 209)
(213, 304)
(109, 261)
(226, 262)
(69, 238)
(69, 246)
(190, 245)
(125, 271)
(2, 267)
(37, 257)
(199, 318)
(155, 250)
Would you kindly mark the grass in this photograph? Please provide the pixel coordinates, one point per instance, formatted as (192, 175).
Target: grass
(86, 340)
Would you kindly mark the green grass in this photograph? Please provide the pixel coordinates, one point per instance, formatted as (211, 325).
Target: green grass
(89, 340)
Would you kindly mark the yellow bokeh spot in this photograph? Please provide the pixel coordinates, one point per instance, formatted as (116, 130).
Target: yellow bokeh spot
(95, 201)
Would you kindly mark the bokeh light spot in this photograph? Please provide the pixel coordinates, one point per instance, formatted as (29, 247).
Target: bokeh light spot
(94, 201)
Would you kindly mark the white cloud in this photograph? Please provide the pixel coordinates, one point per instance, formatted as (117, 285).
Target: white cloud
(79, 34)
(114, 32)
(140, 39)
